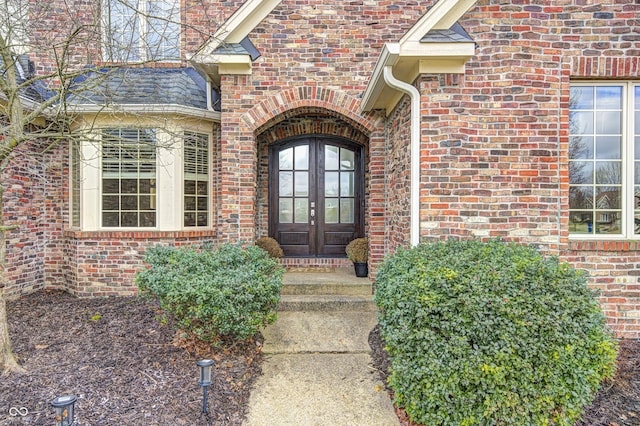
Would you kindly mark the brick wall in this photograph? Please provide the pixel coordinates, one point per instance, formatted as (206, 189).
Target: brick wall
(495, 140)
(105, 263)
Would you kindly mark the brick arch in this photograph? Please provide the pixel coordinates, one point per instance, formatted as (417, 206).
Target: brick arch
(308, 99)
(310, 122)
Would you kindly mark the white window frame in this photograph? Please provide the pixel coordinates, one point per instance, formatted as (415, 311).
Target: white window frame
(209, 181)
(140, 8)
(627, 154)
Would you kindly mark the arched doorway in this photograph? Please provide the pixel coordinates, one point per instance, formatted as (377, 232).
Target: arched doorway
(316, 194)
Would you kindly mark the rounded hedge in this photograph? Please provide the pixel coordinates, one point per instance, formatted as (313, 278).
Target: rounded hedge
(491, 334)
(214, 292)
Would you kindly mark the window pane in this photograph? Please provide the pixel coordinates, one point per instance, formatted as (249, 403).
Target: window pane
(609, 122)
(581, 222)
(331, 157)
(581, 172)
(608, 172)
(608, 147)
(637, 173)
(189, 187)
(189, 219)
(285, 184)
(110, 202)
(148, 219)
(581, 123)
(110, 186)
(203, 188)
(581, 197)
(202, 204)
(346, 210)
(608, 197)
(347, 159)
(331, 210)
(302, 157)
(129, 202)
(581, 97)
(285, 210)
(581, 147)
(302, 210)
(608, 222)
(331, 184)
(346, 184)
(110, 219)
(285, 159)
(302, 184)
(609, 97)
(189, 203)
(129, 219)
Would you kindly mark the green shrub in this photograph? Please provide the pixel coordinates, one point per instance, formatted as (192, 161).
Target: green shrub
(222, 292)
(491, 334)
(271, 246)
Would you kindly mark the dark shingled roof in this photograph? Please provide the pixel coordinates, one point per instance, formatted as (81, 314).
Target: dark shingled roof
(455, 34)
(155, 86)
(37, 90)
(245, 47)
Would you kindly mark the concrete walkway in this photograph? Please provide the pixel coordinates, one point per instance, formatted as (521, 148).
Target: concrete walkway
(318, 369)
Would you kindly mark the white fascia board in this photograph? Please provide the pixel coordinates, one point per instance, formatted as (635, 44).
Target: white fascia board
(441, 16)
(176, 109)
(389, 56)
(437, 50)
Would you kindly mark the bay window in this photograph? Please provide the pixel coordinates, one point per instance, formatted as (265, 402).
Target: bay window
(141, 178)
(604, 160)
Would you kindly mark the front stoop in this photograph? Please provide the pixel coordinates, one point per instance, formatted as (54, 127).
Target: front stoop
(318, 366)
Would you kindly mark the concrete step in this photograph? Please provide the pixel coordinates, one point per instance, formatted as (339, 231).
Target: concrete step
(324, 289)
(319, 332)
(326, 303)
(338, 281)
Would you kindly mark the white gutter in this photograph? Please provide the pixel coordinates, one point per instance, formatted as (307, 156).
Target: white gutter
(414, 94)
(146, 109)
(209, 101)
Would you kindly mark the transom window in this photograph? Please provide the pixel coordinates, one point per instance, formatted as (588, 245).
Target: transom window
(604, 159)
(142, 30)
(129, 178)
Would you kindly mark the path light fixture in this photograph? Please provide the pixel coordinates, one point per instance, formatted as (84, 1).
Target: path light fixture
(64, 406)
(206, 379)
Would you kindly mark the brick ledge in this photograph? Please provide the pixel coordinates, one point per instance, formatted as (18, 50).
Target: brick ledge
(604, 246)
(138, 235)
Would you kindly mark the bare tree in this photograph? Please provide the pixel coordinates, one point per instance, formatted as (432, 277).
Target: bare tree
(36, 102)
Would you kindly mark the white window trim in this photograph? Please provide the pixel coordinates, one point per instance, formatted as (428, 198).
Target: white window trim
(627, 150)
(143, 20)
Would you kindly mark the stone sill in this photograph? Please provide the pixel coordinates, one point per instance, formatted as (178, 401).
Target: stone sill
(138, 235)
(620, 246)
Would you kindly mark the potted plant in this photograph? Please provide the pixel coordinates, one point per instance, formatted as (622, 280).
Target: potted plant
(358, 252)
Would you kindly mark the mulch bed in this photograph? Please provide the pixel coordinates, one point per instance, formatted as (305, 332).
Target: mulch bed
(124, 365)
(616, 404)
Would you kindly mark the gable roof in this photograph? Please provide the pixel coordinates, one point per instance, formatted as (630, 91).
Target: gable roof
(437, 43)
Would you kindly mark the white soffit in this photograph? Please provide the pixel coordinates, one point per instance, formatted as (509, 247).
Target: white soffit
(412, 56)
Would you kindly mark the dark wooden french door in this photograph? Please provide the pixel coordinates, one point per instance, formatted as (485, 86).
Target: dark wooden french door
(316, 195)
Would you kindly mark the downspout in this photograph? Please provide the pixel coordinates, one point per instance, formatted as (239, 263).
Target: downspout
(414, 94)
